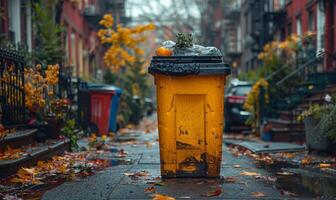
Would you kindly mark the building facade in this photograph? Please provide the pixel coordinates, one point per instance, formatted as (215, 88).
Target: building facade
(261, 21)
(80, 19)
(16, 22)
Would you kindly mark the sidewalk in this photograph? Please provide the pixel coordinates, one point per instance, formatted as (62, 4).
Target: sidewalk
(137, 176)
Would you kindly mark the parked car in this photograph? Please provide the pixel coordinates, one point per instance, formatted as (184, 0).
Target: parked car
(235, 97)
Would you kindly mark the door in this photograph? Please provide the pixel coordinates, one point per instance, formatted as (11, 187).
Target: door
(190, 134)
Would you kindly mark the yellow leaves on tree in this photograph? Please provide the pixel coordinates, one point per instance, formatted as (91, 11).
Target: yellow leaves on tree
(37, 84)
(253, 95)
(253, 100)
(286, 49)
(124, 42)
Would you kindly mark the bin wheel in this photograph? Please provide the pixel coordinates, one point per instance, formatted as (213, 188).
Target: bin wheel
(92, 128)
(117, 127)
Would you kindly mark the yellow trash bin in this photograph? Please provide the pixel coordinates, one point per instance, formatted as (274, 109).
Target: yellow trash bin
(190, 96)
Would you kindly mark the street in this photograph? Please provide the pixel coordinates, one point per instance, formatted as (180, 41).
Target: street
(137, 176)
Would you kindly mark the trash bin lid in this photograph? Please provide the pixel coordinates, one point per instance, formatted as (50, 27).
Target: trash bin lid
(188, 65)
(104, 87)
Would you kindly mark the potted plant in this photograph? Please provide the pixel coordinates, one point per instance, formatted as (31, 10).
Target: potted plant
(320, 128)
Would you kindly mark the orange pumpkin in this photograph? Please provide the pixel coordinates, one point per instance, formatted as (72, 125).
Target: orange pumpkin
(163, 51)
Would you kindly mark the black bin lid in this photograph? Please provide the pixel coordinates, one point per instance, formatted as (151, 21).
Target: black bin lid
(188, 65)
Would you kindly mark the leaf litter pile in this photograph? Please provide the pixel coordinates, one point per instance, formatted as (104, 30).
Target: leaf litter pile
(47, 174)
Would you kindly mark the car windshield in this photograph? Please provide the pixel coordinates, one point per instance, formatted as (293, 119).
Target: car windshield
(240, 90)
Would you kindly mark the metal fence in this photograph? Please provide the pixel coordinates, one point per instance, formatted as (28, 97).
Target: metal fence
(12, 95)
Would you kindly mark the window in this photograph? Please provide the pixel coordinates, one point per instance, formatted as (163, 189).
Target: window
(310, 20)
(298, 26)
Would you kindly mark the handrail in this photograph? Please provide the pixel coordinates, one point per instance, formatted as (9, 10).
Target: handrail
(311, 61)
(276, 72)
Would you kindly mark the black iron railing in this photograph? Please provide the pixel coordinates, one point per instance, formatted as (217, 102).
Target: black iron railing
(12, 95)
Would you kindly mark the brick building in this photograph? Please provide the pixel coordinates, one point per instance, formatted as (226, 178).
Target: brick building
(262, 21)
(80, 19)
(16, 22)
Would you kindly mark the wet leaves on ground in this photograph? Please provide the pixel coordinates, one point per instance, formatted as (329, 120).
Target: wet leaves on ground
(150, 189)
(214, 193)
(162, 197)
(246, 173)
(257, 194)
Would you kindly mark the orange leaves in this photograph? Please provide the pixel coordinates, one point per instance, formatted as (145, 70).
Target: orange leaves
(306, 161)
(124, 42)
(71, 164)
(137, 175)
(26, 176)
(214, 193)
(257, 194)
(150, 189)
(324, 165)
(246, 173)
(162, 197)
(11, 154)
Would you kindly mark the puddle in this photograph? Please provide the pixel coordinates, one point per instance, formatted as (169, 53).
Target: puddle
(114, 150)
(303, 182)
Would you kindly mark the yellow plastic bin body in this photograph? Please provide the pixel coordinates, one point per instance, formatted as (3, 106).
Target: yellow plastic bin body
(190, 118)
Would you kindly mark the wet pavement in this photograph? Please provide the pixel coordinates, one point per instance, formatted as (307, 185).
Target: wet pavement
(137, 176)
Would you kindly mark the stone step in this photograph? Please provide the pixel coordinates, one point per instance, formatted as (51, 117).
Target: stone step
(34, 153)
(280, 123)
(18, 139)
(292, 136)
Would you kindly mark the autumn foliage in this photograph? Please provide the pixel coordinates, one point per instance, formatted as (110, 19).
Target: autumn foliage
(123, 42)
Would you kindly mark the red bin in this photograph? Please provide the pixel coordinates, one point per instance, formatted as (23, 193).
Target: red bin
(100, 109)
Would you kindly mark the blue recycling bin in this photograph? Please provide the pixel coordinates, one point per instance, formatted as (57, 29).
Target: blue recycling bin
(114, 109)
(115, 100)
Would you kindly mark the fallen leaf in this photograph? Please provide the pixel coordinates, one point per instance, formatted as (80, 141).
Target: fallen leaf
(284, 173)
(287, 193)
(12, 154)
(121, 153)
(230, 179)
(257, 194)
(148, 144)
(267, 178)
(149, 189)
(214, 193)
(249, 173)
(306, 161)
(136, 175)
(287, 155)
(162, 197)
(11, 197)
(324, 165)
(156, 183)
